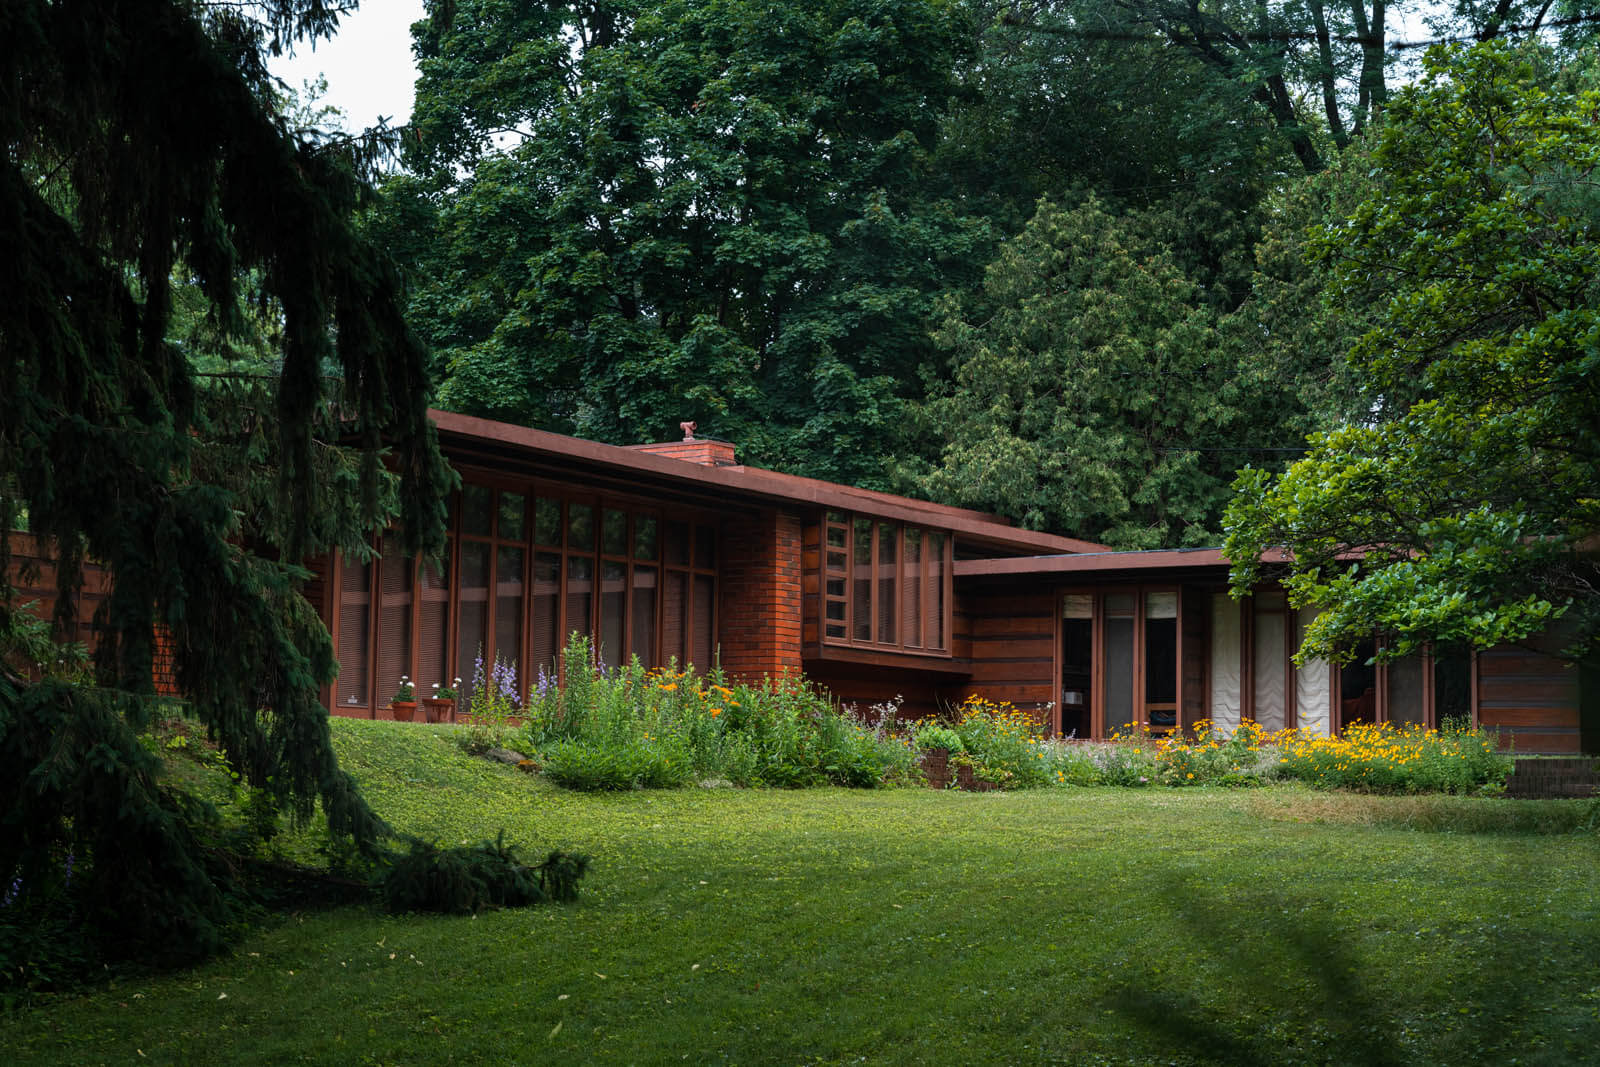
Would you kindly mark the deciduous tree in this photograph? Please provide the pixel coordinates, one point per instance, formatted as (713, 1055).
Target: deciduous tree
(1463, 509)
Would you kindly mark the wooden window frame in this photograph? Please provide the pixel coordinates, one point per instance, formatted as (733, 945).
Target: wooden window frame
(1097, 658)
(1380, 708)
(846, 521)
(1247, 660)
(699, 525)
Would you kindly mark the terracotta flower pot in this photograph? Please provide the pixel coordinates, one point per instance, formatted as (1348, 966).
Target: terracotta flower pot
(439, 709)
(403, 710)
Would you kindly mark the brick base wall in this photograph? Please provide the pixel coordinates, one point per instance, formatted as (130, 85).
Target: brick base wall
(759, 615)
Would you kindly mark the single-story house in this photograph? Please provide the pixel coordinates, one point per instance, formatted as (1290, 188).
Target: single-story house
(677, 552)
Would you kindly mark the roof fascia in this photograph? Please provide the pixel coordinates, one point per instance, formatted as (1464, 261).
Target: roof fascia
(755, 483)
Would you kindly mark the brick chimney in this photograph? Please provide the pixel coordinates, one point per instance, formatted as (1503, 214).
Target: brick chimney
(693, 449)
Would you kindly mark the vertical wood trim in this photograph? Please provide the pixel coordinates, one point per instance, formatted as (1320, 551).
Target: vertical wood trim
(1473, 657)
(1291, 628)
(374, 638)
(1053, 724)
(1247, 658)
(1141, 714)
(1430, 713)
(1178, 725)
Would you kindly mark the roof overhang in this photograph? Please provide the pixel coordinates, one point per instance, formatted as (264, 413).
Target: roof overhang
(1099, 565)
(574, 456)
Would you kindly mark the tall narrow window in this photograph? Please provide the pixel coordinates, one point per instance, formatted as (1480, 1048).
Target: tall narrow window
(643, 614)
(508, 608)
(674, 615)
(1077, 666)
(915, 585)
(580, 596)
(472, 633)
(1119, 634)
(394, 619)
(1405, 695)
(1452, 685)
(544, 621)
(935, 598)
(861, 580)
(355, 625)
(888, 571)
(1270, 629)
(433, 621)
(705, 619)
(1161, 661)
(613, 611)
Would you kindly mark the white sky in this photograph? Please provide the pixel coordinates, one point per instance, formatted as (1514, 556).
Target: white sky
(368, 63)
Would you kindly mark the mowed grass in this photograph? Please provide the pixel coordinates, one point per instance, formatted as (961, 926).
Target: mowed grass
(909, 926)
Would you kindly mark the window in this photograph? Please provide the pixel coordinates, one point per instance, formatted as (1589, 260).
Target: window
(1120, 658)
(884, 585)
(1421, 690)
(522, 571)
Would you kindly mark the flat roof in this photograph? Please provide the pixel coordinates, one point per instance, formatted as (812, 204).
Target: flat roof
(756, 483)
(1095, 562)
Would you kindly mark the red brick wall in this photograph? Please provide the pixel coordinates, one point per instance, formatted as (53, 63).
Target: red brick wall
(759, 615)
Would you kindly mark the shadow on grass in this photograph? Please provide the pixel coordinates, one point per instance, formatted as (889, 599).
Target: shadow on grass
(1313, 997)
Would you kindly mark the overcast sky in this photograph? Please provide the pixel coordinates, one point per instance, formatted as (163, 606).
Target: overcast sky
(368, 64)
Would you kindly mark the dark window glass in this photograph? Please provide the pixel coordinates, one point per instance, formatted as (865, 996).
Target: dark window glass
(547, 521)
(677, 546)
(644, 615)
(888, 570)
(614, 532)
(477, 510)
(645, 537)
(513, 517)
(508, 607)
(861, 582)
(544, 621)
(705, 547)
(580, 527)
(613, 604)
(580, 596)
(472, 636)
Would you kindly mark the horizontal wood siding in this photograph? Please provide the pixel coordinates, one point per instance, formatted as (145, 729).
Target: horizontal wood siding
(846, 685)
(1531, 697)
(1012, 636)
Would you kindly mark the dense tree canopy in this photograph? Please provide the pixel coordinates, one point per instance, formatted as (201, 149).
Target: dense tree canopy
(640, 213)
(1469, 491)
(145, 156)
(1096, 395)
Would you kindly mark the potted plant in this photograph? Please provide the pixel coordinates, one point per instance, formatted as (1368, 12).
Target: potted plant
(404, 704)
(441, 707)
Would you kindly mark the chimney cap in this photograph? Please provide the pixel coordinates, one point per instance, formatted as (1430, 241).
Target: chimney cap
(688, 430)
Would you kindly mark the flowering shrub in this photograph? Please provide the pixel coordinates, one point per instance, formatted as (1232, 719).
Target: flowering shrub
(1389, 759)
(1004, 744)
(491, 704)
(624, 727)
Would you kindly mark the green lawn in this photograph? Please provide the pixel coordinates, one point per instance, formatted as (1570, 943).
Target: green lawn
(908, 926)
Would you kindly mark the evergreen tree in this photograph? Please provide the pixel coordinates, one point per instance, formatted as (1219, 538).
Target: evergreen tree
(1094, 394)
(143, 143)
